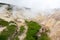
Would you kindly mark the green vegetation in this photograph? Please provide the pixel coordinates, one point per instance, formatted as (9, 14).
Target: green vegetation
(7, 32)
(33, 28)
(44, 36)
(21, 30)
(11, 29)
(3, 22)
(16, 38)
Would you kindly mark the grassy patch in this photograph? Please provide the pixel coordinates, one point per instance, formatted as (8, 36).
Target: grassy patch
(21, 30)
(7, 32)
(44, 36)
(16, 38)
(3, 22)
(33, 28)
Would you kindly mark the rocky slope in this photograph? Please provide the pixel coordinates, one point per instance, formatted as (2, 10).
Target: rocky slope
(15, 24)
(52, 23)
(12, 13)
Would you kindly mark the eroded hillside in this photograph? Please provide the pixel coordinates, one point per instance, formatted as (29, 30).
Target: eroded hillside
(15, 26)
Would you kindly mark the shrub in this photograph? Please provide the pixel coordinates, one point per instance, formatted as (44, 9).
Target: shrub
(7, 32)
(3, 22)
(33, 28)
(21, 30)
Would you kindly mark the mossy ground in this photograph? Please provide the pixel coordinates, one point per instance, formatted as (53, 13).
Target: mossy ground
(33, 28)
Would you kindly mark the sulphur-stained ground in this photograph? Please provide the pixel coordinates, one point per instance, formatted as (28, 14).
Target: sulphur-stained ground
(53, 24)
(17, 18)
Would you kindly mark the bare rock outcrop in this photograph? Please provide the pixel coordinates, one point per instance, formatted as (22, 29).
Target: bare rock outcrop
(53, 24)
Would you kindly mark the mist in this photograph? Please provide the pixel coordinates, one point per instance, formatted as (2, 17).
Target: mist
(36, 6)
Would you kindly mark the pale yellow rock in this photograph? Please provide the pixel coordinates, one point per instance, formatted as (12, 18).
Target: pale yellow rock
(50, 22)
(20, 22)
